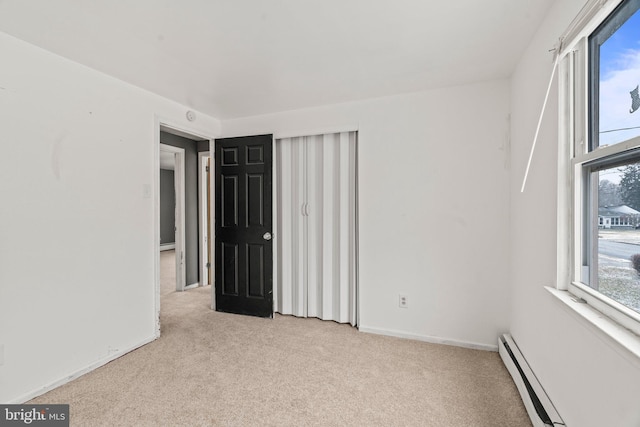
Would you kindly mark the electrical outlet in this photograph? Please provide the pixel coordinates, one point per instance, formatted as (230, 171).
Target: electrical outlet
(403, 301)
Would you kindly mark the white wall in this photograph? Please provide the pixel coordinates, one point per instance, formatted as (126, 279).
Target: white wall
(590, 380)
(76, 233)
(433, 202)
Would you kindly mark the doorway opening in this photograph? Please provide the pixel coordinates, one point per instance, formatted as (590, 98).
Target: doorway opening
(180, 219)
(172, 218)
(205, 166)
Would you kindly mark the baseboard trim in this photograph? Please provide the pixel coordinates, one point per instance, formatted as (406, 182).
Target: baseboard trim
(167, 247)
(539, 407)
(429, 339)
(77, 374)
(191, 286)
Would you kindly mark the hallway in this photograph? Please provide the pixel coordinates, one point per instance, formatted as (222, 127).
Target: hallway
(167, 272)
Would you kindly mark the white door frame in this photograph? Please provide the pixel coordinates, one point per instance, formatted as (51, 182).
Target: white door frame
(162, 123)
(179, 185)
(202, 219)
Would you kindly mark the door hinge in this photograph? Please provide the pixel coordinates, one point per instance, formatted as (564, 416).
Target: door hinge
(207, 168)
(208, 265)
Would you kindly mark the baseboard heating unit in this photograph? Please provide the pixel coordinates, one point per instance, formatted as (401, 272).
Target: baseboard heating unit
(538, 405)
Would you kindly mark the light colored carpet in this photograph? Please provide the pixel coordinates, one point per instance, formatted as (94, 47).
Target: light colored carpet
(216, 369)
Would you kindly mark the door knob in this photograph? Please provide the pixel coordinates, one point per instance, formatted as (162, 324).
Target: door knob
(266, 236)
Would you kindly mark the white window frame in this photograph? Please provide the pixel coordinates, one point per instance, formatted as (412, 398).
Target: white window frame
(573, 154)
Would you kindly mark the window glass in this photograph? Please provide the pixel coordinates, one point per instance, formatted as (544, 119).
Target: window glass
(609, 187)
(615, 77)
(614, 249)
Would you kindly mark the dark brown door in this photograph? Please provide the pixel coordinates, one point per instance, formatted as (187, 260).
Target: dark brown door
(243, 225)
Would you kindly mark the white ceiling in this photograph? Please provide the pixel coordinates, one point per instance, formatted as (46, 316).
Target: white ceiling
(234, 58)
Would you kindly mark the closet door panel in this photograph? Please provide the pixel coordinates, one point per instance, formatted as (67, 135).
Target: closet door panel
(329, 218)
(285, 249)
(353, 235)
(291, 298)
(344, 227)
(300, 228)
(314, 218)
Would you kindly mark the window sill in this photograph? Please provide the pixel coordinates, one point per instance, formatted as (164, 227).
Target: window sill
(619, 338)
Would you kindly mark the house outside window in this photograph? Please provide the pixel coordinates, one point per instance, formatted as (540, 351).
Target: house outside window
(600, 134)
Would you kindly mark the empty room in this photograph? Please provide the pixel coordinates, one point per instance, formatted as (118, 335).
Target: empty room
(367, 213)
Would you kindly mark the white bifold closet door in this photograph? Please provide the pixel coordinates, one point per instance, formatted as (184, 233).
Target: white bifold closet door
(316, 226)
